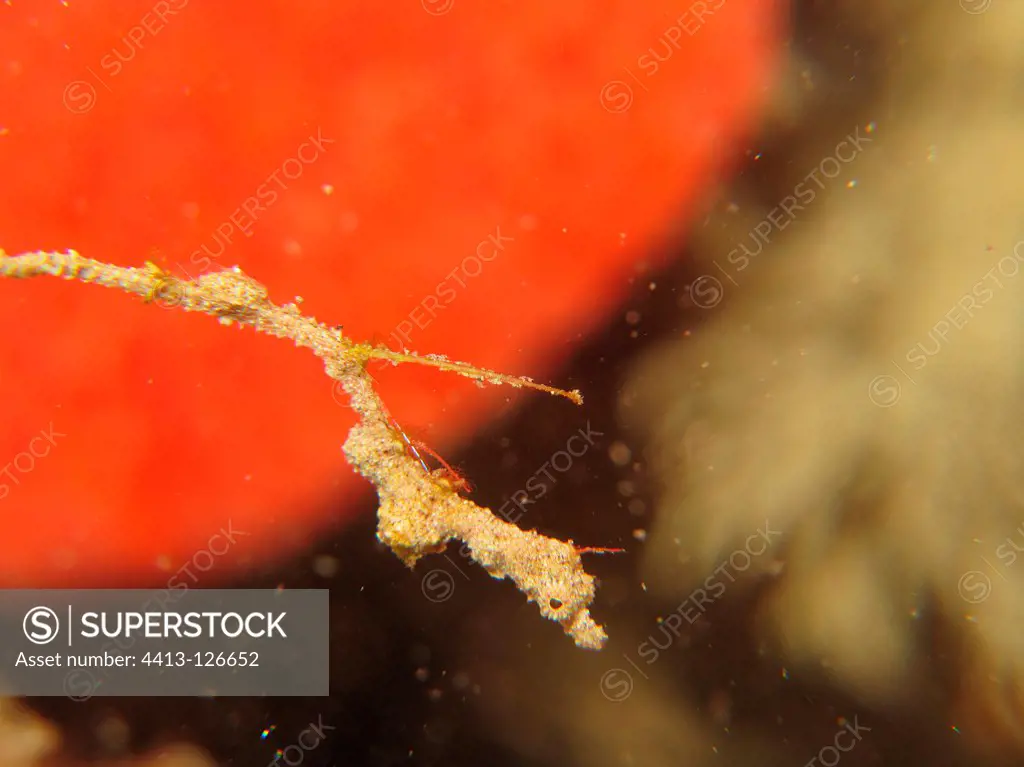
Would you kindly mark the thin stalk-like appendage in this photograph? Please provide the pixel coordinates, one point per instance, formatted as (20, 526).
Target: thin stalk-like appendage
(466, 370)
(154, 284)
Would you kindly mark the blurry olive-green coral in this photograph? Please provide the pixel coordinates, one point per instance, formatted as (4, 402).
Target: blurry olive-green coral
(858, 383)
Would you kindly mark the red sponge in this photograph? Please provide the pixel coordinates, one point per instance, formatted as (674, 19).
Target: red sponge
(474, 179)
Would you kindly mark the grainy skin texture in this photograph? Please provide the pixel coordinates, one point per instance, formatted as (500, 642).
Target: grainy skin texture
(419, 514)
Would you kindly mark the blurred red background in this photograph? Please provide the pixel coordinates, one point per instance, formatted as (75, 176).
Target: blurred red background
(572, 134)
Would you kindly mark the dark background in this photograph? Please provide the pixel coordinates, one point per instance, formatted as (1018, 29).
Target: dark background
(410, 677)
